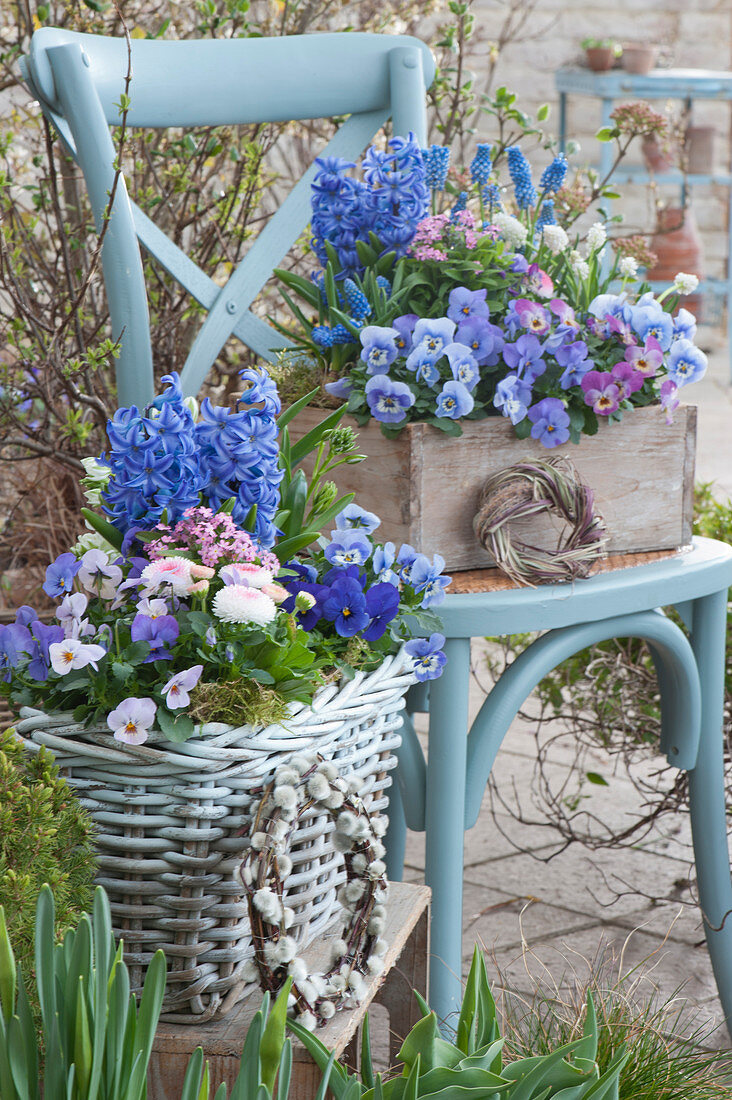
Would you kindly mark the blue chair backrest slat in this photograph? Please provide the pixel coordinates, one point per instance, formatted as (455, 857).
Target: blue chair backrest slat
(79, 79)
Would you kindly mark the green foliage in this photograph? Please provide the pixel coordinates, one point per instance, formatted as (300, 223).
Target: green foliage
(475, 1065)
(45, 837)
(309, 505)
(669, 1055)
(96, 1042)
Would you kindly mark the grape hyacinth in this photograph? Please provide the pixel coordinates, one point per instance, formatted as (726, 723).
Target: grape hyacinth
(553, 175)
(436, 163)
(520, 173)
(481, 165)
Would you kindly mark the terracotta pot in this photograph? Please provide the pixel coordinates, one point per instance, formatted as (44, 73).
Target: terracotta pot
(699, 149)
(678, 245)
(638, 59)
(659, 156)
(600, 58)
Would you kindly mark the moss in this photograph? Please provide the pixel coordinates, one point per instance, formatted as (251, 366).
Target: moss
(45, 836)
(238, 702)
(297, 373)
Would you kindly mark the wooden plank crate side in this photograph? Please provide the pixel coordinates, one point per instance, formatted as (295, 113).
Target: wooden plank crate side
(426, 486)
(405, 969)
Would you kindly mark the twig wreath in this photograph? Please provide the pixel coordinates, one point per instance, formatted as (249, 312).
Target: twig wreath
(303, 783)
(527, 489)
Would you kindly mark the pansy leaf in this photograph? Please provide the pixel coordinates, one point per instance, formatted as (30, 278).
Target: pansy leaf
(175, 729)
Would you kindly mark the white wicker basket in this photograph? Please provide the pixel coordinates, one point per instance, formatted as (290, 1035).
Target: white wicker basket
(173, 823)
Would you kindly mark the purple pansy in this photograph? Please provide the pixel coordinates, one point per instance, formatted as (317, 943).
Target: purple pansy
(177, 689)
(158, 633)
(627, 378)
(43, 637)
(348, 547)
(382, 604)
(60, 575)
(533, 317)
(573, 358)
(550, 422)
(512, 397)
(463, 365)
(645, 360)
(466, 303)
(345, 607)
(525, 358)
(14, 640)
(669, 395)
(601, 392)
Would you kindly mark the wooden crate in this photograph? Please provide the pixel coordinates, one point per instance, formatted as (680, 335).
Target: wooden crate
(425, 485)
(405, 969)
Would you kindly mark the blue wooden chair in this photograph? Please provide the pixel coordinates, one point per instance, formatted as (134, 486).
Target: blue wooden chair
(78, 80)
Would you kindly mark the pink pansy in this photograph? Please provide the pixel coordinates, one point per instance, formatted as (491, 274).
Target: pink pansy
(132, 719)
(621, 329)
(72, 653)
(601, 392)
(627, 378)
(177, 688)
(533, 317)
(646, 360)
(539, 282)
(246, 573)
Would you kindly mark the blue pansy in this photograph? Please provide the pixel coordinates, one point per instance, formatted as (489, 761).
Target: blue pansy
(43, 636)
(382, 561)
(382, 604)
(345, 607)
(525, 357)
(685, 362)
(427, 579)
(158, 633)
(428, 660)
(348, 548)
(14, 640)
(463, 365)
(388, 400)
(512, 397)
(466, 303)
(684, 325)
(430, 338)
(60, 575)
(356, 518)
(379, 349)
(483, 339)
(454, 401)
(573, 357)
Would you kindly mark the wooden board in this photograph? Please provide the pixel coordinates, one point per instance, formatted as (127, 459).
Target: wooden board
(493, 580)
(222, 1041)
(425, 485)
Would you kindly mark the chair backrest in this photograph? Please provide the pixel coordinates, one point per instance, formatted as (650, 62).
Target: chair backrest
(78, 80)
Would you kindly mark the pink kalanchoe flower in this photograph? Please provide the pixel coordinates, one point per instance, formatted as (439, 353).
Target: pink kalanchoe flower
(246, 573)
(627, 378)
(177, 688)
(646, 360)
(601, 391)
(131, 720)
(669, 398)
(72, 653)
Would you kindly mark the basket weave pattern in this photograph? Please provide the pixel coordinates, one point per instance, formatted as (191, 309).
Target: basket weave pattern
(173, 823)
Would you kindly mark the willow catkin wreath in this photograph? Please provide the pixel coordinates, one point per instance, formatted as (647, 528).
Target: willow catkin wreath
(305, 782)
(528, 489)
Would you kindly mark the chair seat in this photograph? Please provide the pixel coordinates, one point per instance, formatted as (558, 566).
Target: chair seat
(702, 568)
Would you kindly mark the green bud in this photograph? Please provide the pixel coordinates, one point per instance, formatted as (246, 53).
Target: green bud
(304, 601)
(325, 496)
(341, 440)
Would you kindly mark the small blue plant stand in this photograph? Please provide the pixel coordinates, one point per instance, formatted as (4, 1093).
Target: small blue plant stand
(442, 795)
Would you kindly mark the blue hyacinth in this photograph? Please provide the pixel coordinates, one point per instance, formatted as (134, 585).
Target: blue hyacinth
(154, 462)
(553, 175)
(482, 165)
(436, 164)
(520, 173)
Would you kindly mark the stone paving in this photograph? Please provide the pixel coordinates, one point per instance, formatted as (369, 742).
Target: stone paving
(548, 920)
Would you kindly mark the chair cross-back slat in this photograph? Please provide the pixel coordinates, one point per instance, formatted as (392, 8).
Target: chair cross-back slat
(79, 79)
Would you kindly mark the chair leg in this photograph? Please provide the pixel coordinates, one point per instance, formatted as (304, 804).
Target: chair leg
(396, 835)
(707, 795)
(444, 820)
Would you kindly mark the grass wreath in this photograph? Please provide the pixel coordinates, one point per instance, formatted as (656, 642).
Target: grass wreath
(305, 782)
(528, 489)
